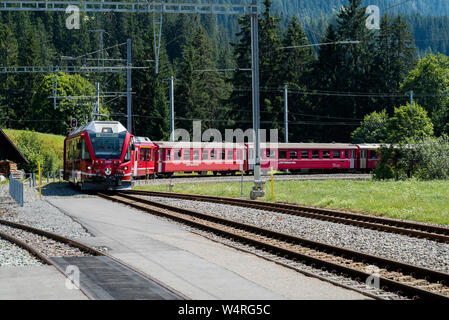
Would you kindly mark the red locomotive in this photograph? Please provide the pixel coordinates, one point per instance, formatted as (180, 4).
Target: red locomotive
(98, 156)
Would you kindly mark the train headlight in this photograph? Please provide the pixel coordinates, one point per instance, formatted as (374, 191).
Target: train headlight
(125, 168)
(89, 168)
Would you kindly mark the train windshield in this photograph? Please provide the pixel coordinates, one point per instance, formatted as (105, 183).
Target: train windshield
(108, 145)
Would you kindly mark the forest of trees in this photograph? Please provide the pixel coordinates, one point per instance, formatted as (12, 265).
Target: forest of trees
(331, 88)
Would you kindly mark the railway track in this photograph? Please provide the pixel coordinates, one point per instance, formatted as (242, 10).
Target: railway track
(101, 275)
(236, 178)
(409, 228)
(403, 279)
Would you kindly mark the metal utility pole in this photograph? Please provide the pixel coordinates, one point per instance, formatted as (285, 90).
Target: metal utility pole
(257, 190)
(286, 112)
(54, 82)
(96, 110)
(172, 109)
(411, 108)
(157, 34)
(128, 85)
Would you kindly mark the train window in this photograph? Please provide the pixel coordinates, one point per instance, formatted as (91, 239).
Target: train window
(128, 153)
(337, 154)
(142, 154)
(326, 154)
(223, 154)
(271, 153)
(205, 155)
(282, 154)
(186, 155)
(239, 155)
(315, 154)
(346, 154)
(84, 151)
(230, 154)
(168, 154)
(363, 154)
(293, 154)
(177, 154)
(373, 154)
(213, 154)
(196, 154)
(67, 148)
(304, 154)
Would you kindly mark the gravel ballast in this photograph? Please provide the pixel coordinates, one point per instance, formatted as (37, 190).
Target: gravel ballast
(39, 213)
(12, 255)
(420, 252)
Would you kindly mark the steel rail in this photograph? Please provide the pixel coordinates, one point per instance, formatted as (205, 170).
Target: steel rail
(281, 244)
(76, 244)
(409, 228)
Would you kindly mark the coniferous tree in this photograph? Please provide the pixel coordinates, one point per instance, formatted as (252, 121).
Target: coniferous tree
(200, 89)
(296, 72)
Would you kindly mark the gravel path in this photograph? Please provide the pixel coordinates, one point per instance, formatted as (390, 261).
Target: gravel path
(410, 250)
(38, 213)
(12, 255)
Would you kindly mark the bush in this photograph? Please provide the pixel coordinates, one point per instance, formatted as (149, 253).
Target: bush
(426, 159)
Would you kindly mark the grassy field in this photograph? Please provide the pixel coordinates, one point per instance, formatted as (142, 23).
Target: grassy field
(425, 201)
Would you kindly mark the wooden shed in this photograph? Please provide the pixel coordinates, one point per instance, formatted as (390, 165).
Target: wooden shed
(10, 156)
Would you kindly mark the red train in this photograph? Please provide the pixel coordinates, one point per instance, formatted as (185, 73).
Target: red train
(229, 158)
(103, 155)
(98, 156)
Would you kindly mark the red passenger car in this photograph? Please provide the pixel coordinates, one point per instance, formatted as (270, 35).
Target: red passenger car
(98, 156)
(145, 154)
(369, 156)
(199, 157)
(306, 156)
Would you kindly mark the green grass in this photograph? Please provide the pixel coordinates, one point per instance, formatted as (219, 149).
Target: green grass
(52, 144)
(425, 201)
(51, 141)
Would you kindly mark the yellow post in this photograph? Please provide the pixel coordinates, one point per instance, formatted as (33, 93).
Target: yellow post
(40, 190)
(272, 189)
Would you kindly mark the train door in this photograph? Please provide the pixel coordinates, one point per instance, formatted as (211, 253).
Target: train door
(362, 159)
(145, 160)
(136, 158)
(160, 151)
(352, 159)
(251, 159)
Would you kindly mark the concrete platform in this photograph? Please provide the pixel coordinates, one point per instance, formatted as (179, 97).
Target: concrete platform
(190, 264)
(35, 283)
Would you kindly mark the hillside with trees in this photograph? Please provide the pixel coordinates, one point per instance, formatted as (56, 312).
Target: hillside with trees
(332, 88)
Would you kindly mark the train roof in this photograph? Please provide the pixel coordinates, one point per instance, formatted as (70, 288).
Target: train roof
(143, 140)
(307, 145)
(99, 126)
(372, 145)
(199, 145)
